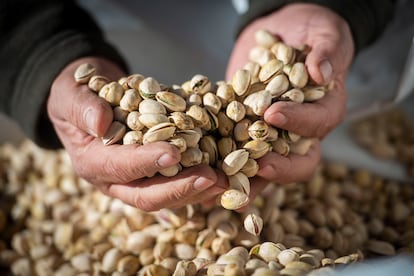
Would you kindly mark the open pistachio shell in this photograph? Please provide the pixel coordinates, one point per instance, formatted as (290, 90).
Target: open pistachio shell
(160, 132)
(234, 161)
(171, 101)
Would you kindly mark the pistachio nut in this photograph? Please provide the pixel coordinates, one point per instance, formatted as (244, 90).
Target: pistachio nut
(226, 93)
(152, 107)
(112, 93)
(84, 72)
(191, 137)
(251, 168)
(199, 115)
(130, 100)
(191, 157)
(253, 224)
(133, 137)
(181, 120)
(133, 121)
(239, 181)
(257, 148)
(152, 119)
(298, 75)
(241, 81)
(160, 132)
(278, 85)
(114, 133)
(313, 93)
(171, 101)
(253, 68)
(179, 142)
(272, 68)
(226, 145)
(293, 95)
(194, 99)
(171, 171)
(134, 80)
(264, 38)
(225, 124)
(233, 199)
(234, 161)
(257, 103)
(261, 55)
(258, 130)
(208, 144)
(236, 111)
(240, 132)
(120, 114)
(97, 82)
(283, 52)
(200, 84)
(212, 102)
(148, 87)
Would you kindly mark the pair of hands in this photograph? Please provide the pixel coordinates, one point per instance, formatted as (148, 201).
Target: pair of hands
(80, 117)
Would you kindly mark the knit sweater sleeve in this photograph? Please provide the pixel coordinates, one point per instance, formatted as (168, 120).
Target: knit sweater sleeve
(38, 38)
(367, 19)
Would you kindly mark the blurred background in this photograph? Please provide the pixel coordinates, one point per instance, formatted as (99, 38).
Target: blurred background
(173, 40)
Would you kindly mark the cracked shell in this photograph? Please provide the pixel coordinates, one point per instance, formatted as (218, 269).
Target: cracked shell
(160, 132)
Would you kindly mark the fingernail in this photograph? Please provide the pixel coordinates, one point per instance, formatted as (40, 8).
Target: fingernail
(326, 70)
(90, 120)
(202, 183)
(166, 160)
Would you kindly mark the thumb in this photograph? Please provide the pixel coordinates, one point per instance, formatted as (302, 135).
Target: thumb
(320, 64)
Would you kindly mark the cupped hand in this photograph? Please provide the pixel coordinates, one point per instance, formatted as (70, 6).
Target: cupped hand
(80, 117)
(331, 53)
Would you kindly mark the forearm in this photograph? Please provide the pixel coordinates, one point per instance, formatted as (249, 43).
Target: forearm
(36, 44)
(367, 19)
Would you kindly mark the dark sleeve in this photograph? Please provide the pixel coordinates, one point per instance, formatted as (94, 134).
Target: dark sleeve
(38, 38)
(366, 18)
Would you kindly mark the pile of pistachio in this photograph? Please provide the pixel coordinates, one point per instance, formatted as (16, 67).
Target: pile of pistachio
(388, 135)
(220, 125)
(54, 223)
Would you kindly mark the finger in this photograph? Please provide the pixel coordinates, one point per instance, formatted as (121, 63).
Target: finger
(314, 119)
(122, 163)
(196, 184)
(294, 167)
(82, 108)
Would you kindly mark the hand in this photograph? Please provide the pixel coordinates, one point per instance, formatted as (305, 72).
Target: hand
(80, 117)
(332, 50)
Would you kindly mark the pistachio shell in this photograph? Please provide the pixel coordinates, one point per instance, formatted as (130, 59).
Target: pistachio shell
(313, 93)
(212, 102)
(257, 148)
(96, 83)
(181, 120)
(283, 52)
(240, 132)
(261, 55)
(200, 84)
(191, 157)
(253, 68)
(199, 115)
(251, 168)
(171, 171)
(278, 85)
(240, 182)
(258, 130)
(258, 102)
(241, 81)
(112, 93)
(152, 119)
(114, 134)
(233, 199)
(225, 124)
(133, 137)
(134, 80)
(194, 99)
(133, 121)
(209, 145)
(120, 114)
(191, 137)
(264, 38)
(236, 111)
(179, 142)
(234, 161)
(226, 93)
(130, 100)
(84, 72)
(152, 107)
(160, 132)
(270, 69)
(148, 87)
(293, 95)
(298, 75)
(226, 145)
(281, 146)
(253, 224)
(171, 101)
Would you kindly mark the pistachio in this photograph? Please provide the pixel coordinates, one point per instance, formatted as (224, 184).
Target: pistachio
(114, 134)
(191, 137)
(96, 83)
(283, 52)
(240, 182)
(298, 75)
(293, 95)
(226, 145)
(150, 106)
(200, 84)
(133, 121)
(179, 142)
(259, 130)
(181, 120)
(233, 199)
(258, 102)
(133, 137)
(212, 102)
(160, 132)
(257, 148)
(120, 114)
(191, 157)
(194, 99)
(134, 80)
(241, 81)
(264, 38)
(171, 101)
(209, 145)
(235, 111)
(253, 224)
(226, 94)
(278, 85)
(130, 100)
(112, 93)
(251, 168)
(199, 115)
(272, 68)
(281, 147)
(225, 124)
(84, 72)
(234, 161)
(148, 88)
(261, 55)
(171, 171)
(150, 120)
(313, 93)
(253, 68)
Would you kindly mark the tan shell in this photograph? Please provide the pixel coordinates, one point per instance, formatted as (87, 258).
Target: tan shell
(261, 55)
(253, 68)
(264, 38)
(181, 120)
(236, 111)
(120, 114)
(234, 161)
(112, 93)
(257, 148)
(225, 124)
(114, 134)
(199, 115)
(226, 145)
(134, 80)
(257, 103)
(313, 93)
(270, 69)
(194, 99)
(239, 181)
(179, 142)
(97, 82)
(191, 137)
(293, 95)
(148, 87)
(191, 157)
(284, 53)
(200, 84)
(278, 85)
(133, 137)
(259, 130)
(84, 72)
(152, 119)
(251, 168)
(226, 93)
(171, 171)
(281, 146)
(152, 107)
(253, 224)
(130, 100)
(298, 75)
(241, 81)
(212, 102)
(208, 144)
(240, 132)
(233, 199)
(160, 132)
(133, 121)
(171, 101)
